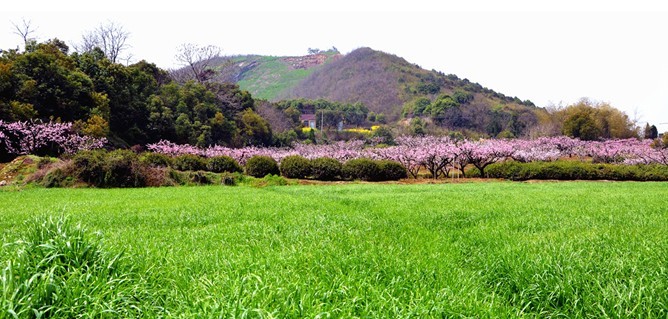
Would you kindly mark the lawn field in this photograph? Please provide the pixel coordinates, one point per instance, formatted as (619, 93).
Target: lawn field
(481, 250)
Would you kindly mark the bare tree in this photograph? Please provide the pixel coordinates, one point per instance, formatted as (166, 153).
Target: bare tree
(111, 38)
(198, 59)
(24, 30)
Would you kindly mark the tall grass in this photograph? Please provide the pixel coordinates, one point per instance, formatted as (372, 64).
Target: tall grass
(478, 250)
(56, 270)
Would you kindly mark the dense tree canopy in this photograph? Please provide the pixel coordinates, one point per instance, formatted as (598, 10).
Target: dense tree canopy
(134, 104)
(591, 120)
(328, 112)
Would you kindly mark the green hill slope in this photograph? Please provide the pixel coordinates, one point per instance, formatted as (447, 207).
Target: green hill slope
(268, 77)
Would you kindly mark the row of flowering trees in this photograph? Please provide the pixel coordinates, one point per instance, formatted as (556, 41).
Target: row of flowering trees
(440, 155)
(20, 138)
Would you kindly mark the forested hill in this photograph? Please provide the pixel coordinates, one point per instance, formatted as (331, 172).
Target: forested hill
(386, 84)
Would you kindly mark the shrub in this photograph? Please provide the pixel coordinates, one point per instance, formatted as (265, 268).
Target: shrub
(261, 166)
(391, 170)
(295, 167)
(44, 162)
(202, 178)
(230, 179)
(122, 169)
(157, 176)
(573, 170)
(89, 166)
(189, 162)
(362, 168)
(325, 169)
(178, 177)
(155, 159)
(219, 164)
(270, 180)
(57, 177)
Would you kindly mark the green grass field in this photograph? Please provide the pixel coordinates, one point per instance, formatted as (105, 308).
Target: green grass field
(495, 249)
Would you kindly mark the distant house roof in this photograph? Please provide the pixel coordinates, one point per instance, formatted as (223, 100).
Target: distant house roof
(307, 117)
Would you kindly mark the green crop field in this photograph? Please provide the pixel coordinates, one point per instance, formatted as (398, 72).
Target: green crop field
(495, 249)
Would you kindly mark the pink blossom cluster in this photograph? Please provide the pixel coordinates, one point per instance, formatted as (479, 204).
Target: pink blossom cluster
(22, 138)
(341, 151)
(440, 155)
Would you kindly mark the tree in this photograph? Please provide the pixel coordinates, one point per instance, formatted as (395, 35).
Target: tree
(384, 135)
(380, 118)
(581, 125)
(651, 132)
(601, 119)
(439, 107)
(417, 127)
(198, 59)
(45, 83)
(111, 38)
(254, 129)
(24, 30)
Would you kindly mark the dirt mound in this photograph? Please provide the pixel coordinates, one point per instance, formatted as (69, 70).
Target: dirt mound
(20, 168)
(305, 62)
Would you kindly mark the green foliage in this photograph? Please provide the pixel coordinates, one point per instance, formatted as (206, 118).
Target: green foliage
(417, 127)
(260, 166)
(329, 112)
(326, 169)
(582, 126)
(295, 167)
(57, 177)
(370, 170)
(155, 159)
(44, 82)
(576, 170)
(89, 166)
(380, 118)
(219, 164)
(231, 179)
(58, 270)
(384, 135)
(122, 169)
(254, 129)
(462, 97)
(440, 106)
(590, 120)
(363, 169)
(505, 134)
(189, 162)
(133, 104)
(416, 107)
(269, 180)
(650, 132)
(391, 170)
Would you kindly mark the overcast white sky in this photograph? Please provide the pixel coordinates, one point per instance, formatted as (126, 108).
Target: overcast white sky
(614, 51)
